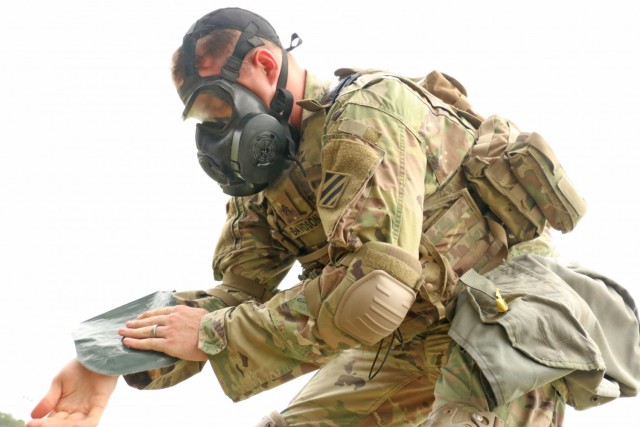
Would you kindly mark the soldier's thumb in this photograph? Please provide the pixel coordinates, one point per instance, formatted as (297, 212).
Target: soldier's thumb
(48, 402)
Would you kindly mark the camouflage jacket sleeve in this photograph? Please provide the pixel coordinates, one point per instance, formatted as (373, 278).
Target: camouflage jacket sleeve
(376, 173)
(250, 266)
(248, 260)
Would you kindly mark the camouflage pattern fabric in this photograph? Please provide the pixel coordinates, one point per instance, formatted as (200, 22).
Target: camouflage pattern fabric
(536, 167)
(402, 393)
(418, 378)
(378, 166)
(462, 381)
(183, 369)
(380, 135)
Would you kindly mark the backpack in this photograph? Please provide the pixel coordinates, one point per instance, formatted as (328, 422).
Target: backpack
(515, 174)
(509, 188)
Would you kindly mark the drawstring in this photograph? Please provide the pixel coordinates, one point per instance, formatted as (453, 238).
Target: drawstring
(396, 335)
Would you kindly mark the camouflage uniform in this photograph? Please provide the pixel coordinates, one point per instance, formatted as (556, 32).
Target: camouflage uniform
(381, 165)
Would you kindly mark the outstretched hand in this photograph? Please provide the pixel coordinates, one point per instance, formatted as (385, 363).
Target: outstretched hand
(171, 330)
(77, 398)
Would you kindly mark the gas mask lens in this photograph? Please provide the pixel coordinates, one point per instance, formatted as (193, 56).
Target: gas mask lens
(241, 143)
(210, 108)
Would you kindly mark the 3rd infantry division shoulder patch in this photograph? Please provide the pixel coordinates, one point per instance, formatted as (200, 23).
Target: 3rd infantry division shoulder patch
(333, 185)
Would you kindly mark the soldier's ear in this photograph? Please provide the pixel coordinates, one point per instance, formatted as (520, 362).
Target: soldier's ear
(267, 63)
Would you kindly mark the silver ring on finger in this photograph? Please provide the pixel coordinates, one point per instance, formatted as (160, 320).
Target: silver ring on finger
(153, 331)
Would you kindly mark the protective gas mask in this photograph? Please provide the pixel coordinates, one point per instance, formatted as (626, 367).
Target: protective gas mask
(243, 144)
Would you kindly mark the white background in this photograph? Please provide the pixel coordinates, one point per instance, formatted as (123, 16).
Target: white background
(102, 200)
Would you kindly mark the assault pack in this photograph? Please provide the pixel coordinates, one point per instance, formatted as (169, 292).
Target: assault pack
(515, 174)
(509, 188)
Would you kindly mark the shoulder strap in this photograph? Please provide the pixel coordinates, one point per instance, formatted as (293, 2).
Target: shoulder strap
(442, 86)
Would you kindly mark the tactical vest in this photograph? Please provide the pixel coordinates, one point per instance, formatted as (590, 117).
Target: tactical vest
(291, 213)
(296, 225)
(480, 209)
(509, 189)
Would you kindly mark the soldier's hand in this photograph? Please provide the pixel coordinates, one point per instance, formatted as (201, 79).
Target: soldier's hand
(171, 330)
(77, 398)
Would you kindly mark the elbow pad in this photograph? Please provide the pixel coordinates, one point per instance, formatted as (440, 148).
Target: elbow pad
(379, 291)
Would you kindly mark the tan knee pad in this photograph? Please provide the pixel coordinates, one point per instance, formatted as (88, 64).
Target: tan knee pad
(274, 419)
(377, 302)
(458, 414)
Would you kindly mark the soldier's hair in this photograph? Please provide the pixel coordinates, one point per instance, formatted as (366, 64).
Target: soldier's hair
(217, 44)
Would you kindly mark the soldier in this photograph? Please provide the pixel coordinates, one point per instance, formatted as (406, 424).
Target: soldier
(362, 184)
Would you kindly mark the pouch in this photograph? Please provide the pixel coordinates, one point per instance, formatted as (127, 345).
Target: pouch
(489, 172)
(537, 169)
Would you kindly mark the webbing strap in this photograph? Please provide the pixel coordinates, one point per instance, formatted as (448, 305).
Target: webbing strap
(499, 249)
(315, 256)
(536, 141)
(227, 298)
(312, 295)
(431, 290)
(237, 283)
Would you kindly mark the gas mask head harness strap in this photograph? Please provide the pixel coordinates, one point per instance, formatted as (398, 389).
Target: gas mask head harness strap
(242, 144)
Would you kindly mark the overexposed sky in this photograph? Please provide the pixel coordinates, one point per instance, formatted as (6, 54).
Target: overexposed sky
(102, 200)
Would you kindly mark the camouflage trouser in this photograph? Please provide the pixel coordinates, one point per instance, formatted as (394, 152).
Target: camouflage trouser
(416, 379)
(462, 381)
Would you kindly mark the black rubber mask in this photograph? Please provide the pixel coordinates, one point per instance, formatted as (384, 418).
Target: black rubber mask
(243, 144)
(240, 145)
